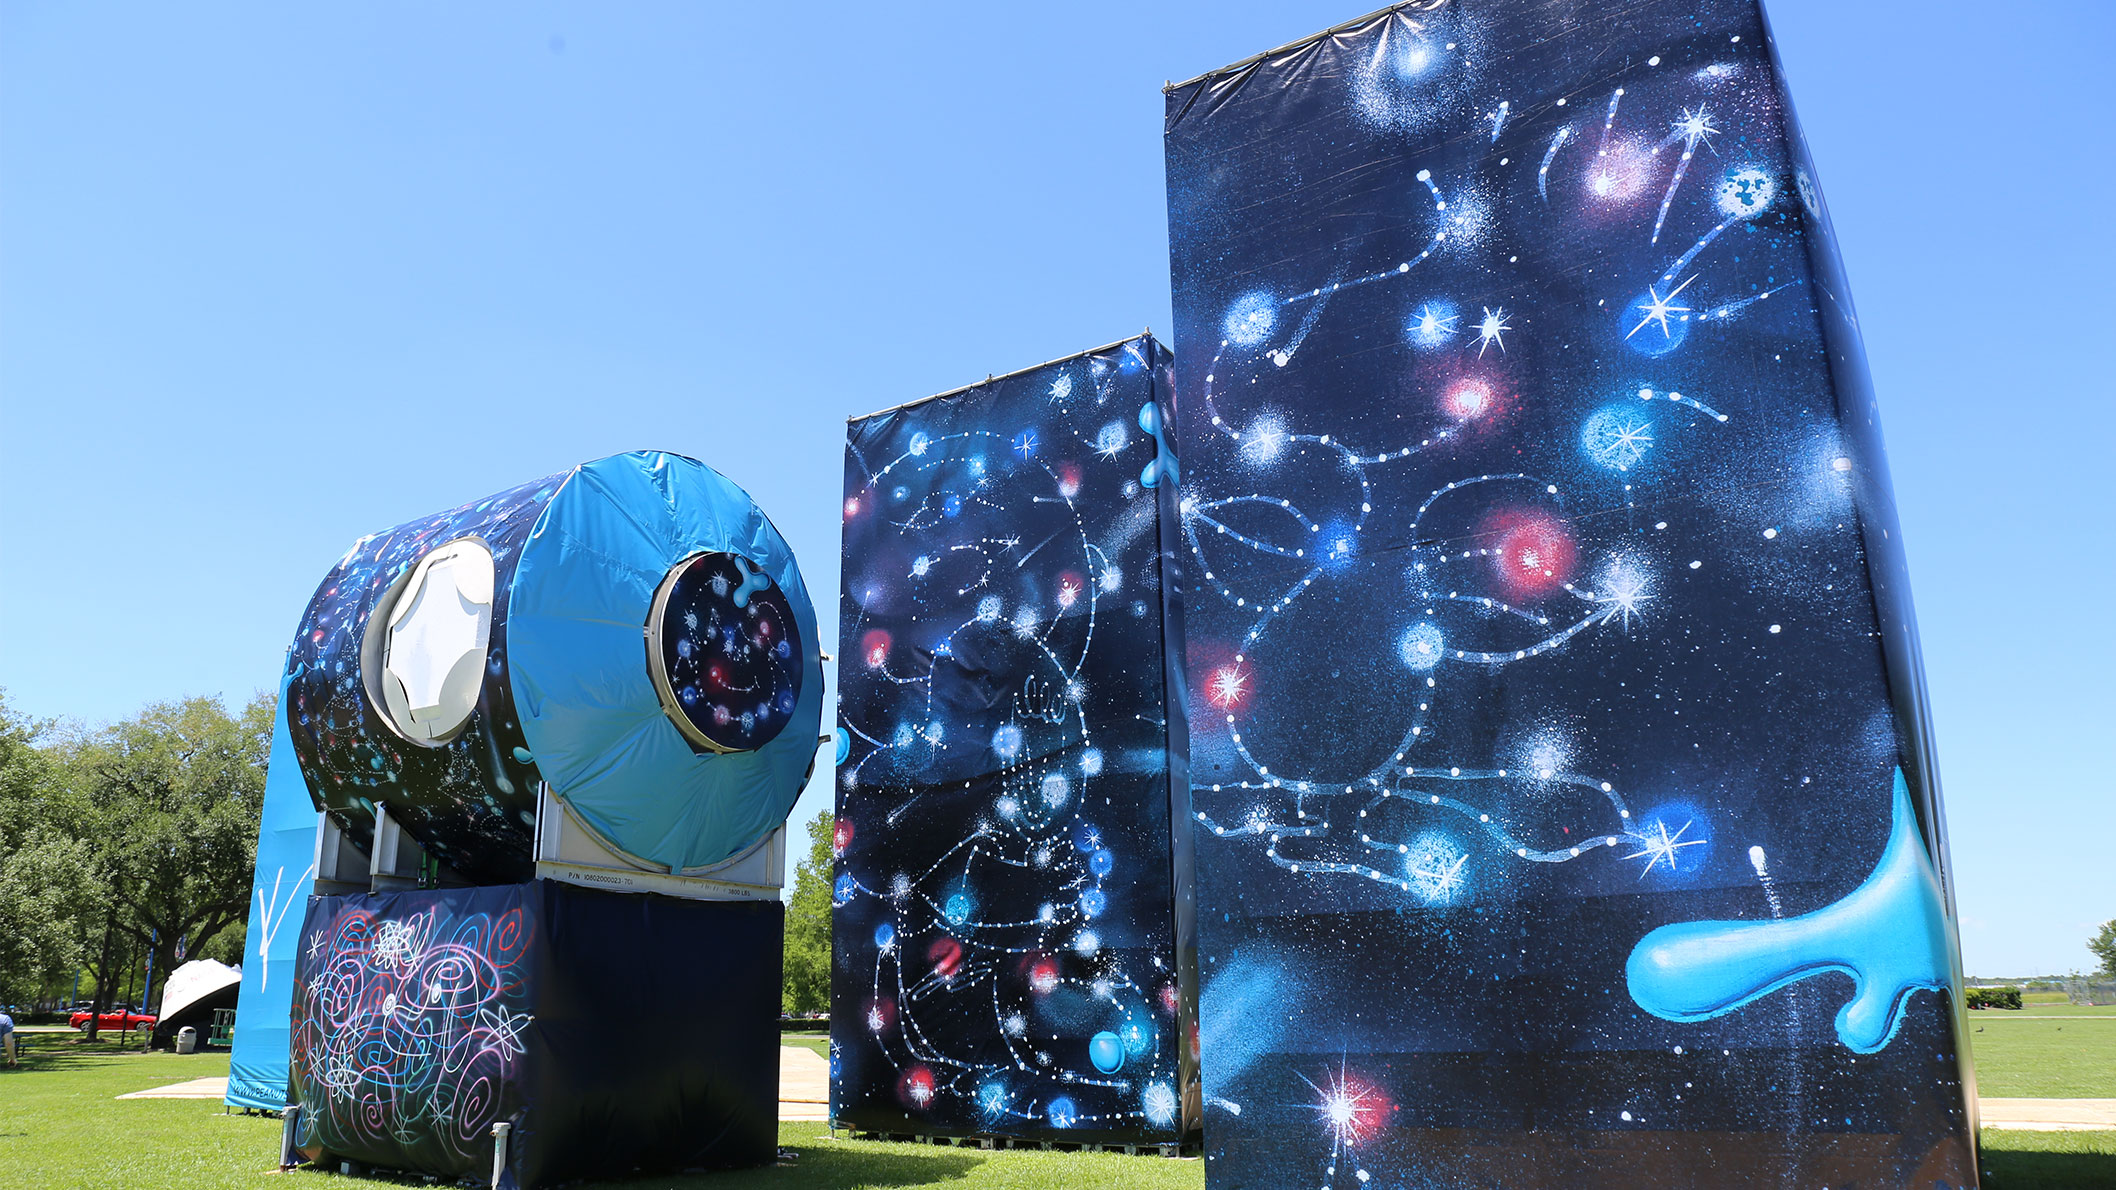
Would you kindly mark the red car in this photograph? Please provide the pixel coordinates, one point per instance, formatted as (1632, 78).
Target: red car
(117, 1019)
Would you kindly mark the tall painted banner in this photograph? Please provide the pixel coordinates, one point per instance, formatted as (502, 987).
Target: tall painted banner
(1010, 933)
(1565, 802)
(279, 893)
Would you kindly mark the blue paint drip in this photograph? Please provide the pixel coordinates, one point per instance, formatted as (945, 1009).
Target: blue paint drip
(1164, 461)
(1889, 934)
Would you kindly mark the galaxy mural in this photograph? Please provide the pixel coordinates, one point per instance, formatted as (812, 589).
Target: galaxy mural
(1009, 938)
(421, 1019)
(1561, 773)
(409, 1025)
(471, 799)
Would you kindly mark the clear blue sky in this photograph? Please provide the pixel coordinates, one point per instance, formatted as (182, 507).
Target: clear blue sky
(238, 241)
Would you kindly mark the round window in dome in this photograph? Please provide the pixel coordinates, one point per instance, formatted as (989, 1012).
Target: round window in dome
(725, 653)
(424, 653)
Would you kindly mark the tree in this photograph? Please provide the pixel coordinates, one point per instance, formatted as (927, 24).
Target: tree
(173, 795)
(2103, 945)
(48, 905)
(49, 892)
(807, 981)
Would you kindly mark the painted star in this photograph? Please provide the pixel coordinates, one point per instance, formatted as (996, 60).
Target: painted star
(1661, 847)
(1442, 880)
(1624, 592)
(1695, 127)
(1434, 324)
(1658, 308)
(1492, 330)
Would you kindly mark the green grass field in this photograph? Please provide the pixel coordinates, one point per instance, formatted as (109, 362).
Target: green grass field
(819, 1042)
(2045, 1051)
(62, 1128)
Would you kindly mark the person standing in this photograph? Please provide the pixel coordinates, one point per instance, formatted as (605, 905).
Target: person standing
(7, 1037)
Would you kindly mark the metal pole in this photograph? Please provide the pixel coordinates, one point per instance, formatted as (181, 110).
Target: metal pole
(499, 1151)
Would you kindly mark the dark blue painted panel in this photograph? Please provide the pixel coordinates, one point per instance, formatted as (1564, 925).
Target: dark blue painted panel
(1006, 938)
(1561, 767)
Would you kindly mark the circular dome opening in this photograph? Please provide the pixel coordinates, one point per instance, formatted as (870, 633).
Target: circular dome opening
(423, 658)
(725, 653)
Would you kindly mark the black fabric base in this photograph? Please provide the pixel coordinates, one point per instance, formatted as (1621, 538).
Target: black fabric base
(617, 1034)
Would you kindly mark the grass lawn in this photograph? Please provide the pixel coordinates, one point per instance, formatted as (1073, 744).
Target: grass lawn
(819, 1042)
(2042, 1053)
(62, 1127)
(2048, 1160)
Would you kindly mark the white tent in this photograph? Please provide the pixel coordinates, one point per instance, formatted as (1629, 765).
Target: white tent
(194, 981)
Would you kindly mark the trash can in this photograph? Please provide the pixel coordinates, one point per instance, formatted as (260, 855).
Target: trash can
(187, 1040)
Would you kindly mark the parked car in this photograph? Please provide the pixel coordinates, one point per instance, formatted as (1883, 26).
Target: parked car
(119, 1019)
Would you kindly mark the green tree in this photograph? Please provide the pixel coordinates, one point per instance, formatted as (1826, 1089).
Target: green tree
(807, 980)
(174, 795)
(48, 905)
(2103, 945)
(49, 891)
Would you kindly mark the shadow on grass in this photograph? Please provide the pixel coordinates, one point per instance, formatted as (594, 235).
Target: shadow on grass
(70, 1059)
(2015, 1170)
(826, 1169)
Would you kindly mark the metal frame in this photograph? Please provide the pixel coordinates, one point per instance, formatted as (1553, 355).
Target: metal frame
(606, 867)
(657, 668)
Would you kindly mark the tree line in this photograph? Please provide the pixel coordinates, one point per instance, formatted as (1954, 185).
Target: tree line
(126, 848)
(129, 848)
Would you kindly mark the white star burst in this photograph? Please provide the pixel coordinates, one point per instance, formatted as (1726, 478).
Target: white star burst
(1660, 846)
(1658, 308)
(1624, 591)
(1696, 128)
(1435, 324)
(1347, 1107)
(1440, 881)
(1492, 330)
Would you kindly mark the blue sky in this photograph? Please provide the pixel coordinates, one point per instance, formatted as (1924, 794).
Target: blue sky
(239, 243)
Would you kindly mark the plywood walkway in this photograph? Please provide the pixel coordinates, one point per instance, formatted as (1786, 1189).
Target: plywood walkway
(2048, 1115)
(804, 1086)
(197, 1088)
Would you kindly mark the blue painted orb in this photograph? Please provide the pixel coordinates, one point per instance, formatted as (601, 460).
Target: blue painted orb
(1106, 1051)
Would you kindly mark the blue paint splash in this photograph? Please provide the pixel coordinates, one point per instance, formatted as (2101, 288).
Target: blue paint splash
(1890, 935)
(1164, 460)
(753, 581)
